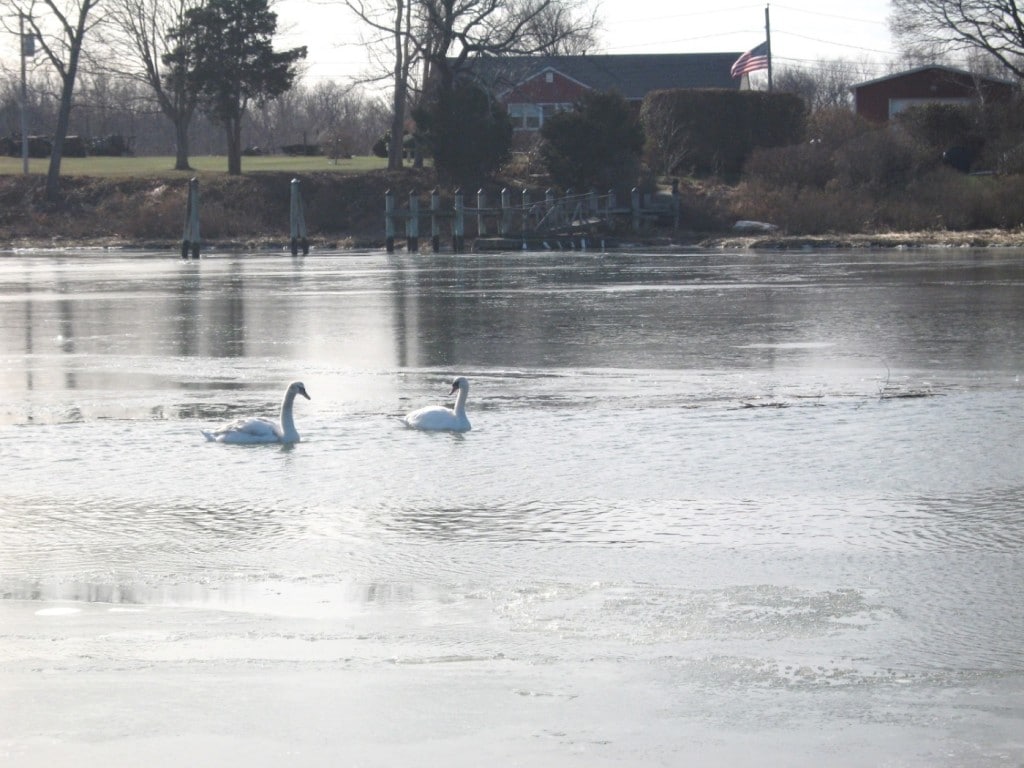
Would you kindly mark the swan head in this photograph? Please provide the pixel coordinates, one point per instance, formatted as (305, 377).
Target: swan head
(459, 383)
(298, 388)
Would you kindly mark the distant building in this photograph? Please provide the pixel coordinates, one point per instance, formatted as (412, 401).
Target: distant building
(880, 99)
(533, 88)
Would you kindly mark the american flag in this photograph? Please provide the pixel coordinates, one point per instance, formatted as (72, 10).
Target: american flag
(751, 61)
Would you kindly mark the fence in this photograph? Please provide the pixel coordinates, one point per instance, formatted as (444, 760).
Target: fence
(553, 221)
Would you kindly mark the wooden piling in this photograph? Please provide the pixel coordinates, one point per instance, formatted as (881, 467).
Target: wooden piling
(435, 220)
(459, 223)
(297, 221)
(526, 215)
(481, 206)
(389, 221)
(635, 202)
(505, 222)
(412, 225)
(190, 238)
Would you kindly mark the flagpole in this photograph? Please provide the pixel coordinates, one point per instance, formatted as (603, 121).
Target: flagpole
(24, 94)
(768, 39)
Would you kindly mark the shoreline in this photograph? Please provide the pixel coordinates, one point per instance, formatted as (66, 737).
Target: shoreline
(692, 241)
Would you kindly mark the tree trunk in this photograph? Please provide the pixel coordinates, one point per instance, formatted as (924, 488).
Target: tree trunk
(63, 119)
(234, 137)
(397, 145)
(181, 124)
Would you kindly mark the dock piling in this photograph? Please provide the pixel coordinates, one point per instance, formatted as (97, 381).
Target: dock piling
(190, 238)
(297, 221)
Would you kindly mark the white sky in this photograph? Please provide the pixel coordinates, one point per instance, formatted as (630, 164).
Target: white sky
(802, 32)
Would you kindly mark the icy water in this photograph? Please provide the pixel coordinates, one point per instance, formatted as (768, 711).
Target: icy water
(716, 509)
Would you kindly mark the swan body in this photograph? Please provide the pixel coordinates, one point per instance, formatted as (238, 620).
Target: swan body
(437, 417)
(256, 429)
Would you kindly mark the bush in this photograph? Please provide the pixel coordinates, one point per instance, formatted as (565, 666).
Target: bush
(878, 161)
(712, 132)
(597, 145)
(801, 165)
(466, 131)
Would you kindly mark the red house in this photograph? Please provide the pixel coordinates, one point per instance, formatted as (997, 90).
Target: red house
(880, 99)
(535, 87)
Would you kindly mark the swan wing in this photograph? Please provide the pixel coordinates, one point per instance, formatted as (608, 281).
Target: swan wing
(436, 417)
(254, 429)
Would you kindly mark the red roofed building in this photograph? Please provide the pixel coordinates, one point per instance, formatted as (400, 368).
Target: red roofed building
(880, 99)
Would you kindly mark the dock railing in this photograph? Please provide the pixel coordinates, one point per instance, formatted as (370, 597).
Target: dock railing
(520, 221)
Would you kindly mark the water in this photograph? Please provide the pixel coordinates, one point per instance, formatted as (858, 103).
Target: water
(717, 509)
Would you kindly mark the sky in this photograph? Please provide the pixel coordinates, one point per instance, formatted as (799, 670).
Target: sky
(802, 32)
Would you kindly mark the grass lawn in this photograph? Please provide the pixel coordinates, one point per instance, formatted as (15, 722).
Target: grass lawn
(202, 165)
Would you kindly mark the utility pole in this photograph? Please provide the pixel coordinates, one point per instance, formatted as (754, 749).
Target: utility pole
(28, 48)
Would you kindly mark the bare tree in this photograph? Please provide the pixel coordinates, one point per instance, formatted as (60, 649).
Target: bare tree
(136, 33)
(457, 31)
(391, 31)
(937, 27)
(432, 39)
(60, 27)
(822, 86)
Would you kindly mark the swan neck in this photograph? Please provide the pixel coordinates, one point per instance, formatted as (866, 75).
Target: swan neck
(460, 401)
(287, 420)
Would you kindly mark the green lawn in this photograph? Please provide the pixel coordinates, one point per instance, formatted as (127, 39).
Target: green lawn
(205, 164)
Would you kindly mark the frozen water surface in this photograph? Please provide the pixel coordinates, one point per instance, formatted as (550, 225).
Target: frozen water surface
(716, 509)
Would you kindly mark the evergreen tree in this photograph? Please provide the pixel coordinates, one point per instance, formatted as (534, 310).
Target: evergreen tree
(227, 48)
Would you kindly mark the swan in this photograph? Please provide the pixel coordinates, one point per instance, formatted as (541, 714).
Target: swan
(256, 429)
(437, 417)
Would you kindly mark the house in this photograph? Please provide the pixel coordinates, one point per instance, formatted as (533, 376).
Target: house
(535, 87)
(880, 99)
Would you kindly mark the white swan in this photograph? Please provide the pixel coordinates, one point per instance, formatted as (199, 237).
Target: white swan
(256, 429)
(437, 417)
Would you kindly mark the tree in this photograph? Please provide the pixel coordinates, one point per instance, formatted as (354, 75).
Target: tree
(467, 132)
(453, 32)
(60, 31)
(137, 34)
(224, 52)
(598, 144)
(418, 36)
(822, 86)
(992, 27)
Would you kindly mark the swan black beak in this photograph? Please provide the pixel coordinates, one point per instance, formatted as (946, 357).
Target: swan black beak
(454, 389)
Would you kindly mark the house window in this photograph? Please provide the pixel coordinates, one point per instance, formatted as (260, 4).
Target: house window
(525, 116)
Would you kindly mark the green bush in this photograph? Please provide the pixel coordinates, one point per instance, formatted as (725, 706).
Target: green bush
(712, 132)
(596, 145)
(466, 131)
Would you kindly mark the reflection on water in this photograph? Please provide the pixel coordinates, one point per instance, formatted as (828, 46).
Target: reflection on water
(775, 475)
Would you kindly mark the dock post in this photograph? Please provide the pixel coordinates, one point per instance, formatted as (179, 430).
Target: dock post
(675, 204)
(190, 238)
(435, 220)
(526, 215)
(412, 224)
(297, 221)
(481, 205)
(635, 201)
(389, 221)
(505, 224)
(459, 223)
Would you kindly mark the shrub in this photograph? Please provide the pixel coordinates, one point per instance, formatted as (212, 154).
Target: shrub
(800, 165)
(877, 161)
(466, 131)
(598, 144)
(707, 132)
